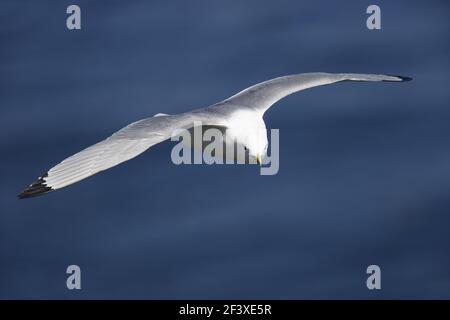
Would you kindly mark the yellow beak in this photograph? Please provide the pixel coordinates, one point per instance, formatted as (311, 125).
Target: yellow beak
(258, 159)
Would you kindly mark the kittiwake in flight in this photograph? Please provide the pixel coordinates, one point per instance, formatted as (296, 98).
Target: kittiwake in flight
(240, 115)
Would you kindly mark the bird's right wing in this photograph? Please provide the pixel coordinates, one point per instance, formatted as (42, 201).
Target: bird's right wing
(263, 95)
(123, 145)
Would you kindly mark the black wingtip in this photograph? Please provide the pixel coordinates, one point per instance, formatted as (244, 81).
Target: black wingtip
(37, 188)
(402, 78)
(405, 78)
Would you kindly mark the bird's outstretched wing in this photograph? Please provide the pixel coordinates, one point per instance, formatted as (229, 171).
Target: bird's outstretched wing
(123, 145)
(263, 95)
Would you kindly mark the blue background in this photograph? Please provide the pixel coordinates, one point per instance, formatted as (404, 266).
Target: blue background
(364, 167)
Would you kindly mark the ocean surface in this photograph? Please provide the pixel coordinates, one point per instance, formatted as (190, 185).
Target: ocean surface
(364, 167)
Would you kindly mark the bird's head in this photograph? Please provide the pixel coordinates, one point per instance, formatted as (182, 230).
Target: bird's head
(254, 144)
(248, 129)
(257, 148)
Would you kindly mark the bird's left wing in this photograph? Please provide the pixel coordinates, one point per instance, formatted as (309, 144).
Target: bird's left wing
(123, 145)
(263, 95)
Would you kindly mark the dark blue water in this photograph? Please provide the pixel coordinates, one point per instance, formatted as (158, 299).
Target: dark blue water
(364, 167)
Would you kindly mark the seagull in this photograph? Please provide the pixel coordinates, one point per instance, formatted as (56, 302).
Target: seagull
(241, 116)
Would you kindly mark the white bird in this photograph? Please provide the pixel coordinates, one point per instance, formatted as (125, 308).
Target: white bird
(240, 115)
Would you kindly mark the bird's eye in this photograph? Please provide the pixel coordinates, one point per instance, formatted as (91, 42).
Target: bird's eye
(245, 148)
